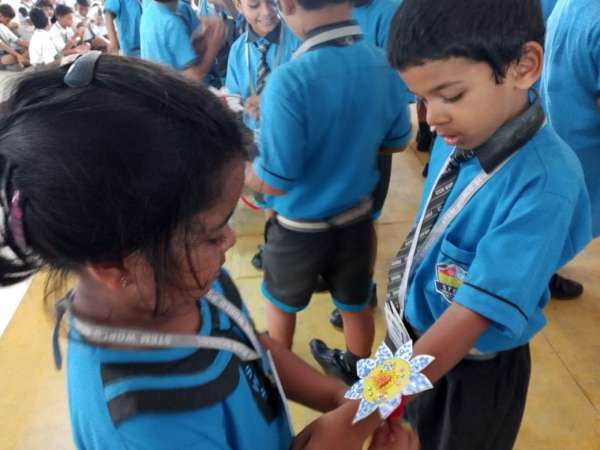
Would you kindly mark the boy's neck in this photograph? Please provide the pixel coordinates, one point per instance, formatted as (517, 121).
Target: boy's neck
(262, 35)
(325, 16)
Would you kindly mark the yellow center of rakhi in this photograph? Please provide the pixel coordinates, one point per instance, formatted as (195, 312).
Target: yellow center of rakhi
(386, 380)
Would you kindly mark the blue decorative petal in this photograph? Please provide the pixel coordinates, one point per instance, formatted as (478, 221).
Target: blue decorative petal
(418, 363)
(405, 351)
(365, 409)
(387, 408)
(364, 366)
(383, 353)
(418, 383)
(355, 392)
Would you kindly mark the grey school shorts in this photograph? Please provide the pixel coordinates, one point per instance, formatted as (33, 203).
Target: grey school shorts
(293, 260)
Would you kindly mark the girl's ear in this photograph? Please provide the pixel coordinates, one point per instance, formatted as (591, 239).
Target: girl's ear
(110, 275)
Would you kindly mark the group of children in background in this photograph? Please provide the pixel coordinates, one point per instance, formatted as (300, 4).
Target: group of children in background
(512, 194)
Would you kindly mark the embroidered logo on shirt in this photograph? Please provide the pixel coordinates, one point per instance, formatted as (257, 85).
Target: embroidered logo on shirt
(448, 278)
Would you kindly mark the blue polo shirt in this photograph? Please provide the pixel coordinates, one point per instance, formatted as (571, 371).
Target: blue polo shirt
(166, 399)
(571, 86)
(325, 115)
(127, 14)
(497, 256)
(244, 57)
(165, 35)
(374, 18)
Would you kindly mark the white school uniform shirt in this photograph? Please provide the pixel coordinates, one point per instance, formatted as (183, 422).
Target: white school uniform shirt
(89, 29)
(41, 48)
(8, 36)
(60, 35)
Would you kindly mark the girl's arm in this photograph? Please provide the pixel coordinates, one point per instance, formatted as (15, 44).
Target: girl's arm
(301, 382)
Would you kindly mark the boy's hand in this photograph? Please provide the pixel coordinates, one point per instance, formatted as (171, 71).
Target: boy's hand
(252, 107)
(394, 435)
(22, 59)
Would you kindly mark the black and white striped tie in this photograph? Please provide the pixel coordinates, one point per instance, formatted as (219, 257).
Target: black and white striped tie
(441, 191)
(262, 69)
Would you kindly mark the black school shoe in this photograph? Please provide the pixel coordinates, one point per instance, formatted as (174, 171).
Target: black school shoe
(335, 362)
(256, 260)
(562, 288)
(335, 318)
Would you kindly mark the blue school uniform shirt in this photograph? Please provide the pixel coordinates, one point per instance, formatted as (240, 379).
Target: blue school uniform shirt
(324, 117)
(127, 14)
(497, 256)
(374, 19)
(180, 398)
(571, 86)
(165, 35)
(244, 57)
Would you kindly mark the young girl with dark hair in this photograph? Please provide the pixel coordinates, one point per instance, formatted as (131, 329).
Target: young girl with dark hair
(134, 198)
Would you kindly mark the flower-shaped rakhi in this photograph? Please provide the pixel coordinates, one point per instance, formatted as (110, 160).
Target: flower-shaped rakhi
(385, 378)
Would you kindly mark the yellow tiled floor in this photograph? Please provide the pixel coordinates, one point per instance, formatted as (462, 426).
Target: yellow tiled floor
(563, 410)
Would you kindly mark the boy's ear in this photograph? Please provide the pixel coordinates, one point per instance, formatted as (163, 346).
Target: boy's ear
(527, 70)
(238, 5)
(287, 7)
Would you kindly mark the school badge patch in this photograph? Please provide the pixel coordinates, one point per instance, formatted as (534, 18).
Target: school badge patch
(448, 278)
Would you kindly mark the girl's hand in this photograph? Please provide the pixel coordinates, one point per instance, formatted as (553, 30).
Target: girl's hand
(394, 435)
(329, 431)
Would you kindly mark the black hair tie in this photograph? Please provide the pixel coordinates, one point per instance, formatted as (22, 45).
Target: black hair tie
(82, 70)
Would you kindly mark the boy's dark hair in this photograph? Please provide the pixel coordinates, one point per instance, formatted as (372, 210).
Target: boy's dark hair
(318, 4)
(83, 2)
(62, 10)
(38, 18)
(23, 11)
(44, 4)
(149, 152)
(7, 11)
(489, 31)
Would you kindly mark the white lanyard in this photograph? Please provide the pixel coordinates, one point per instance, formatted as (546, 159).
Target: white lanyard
(276, 61)
(396, 329)
(327, 36)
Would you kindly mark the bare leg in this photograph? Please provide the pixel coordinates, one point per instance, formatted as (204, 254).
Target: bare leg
(281, 325)
(359, 331)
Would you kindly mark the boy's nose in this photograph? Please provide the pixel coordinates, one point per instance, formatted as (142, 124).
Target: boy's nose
(436, 116)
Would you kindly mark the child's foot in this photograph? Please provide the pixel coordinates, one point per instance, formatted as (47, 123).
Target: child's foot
(335, 362)
(562, 288)
(256, 260)
(335, 318)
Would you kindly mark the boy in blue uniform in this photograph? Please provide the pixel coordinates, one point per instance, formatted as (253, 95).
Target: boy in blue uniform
(504, 206)
(325, 115)
(571, 87)
(374, 18)
(126, 14)
(167, 29)
(266, 44)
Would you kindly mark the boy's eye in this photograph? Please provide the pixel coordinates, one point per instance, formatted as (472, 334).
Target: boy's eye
(453, 99)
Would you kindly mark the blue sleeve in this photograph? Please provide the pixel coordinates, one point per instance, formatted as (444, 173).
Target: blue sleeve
(232, 78)
(513, 262)
(400, 133)
(113, 6)
(282, 137)
(180, 45)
